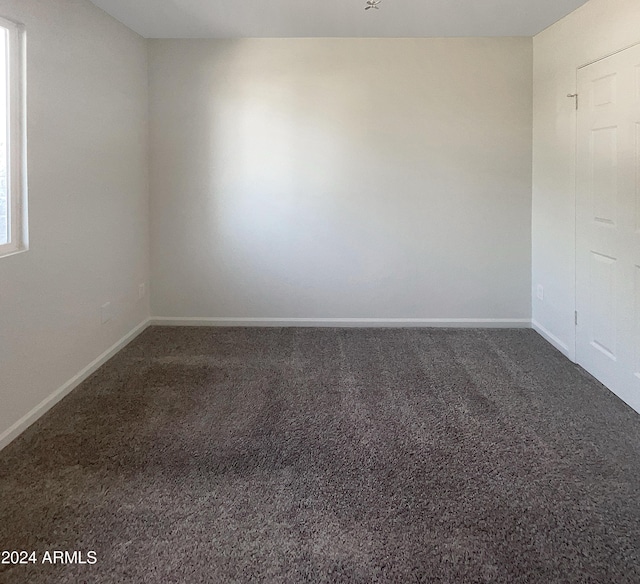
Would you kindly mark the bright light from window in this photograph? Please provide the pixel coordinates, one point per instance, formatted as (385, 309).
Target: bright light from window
(13, 200)
(5, 219)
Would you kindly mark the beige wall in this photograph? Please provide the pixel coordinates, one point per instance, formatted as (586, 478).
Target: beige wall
(88, 201)
(341, 178)
(595, 30)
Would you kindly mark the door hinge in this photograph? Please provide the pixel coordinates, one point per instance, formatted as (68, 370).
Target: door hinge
(576, 317)
(575, 96)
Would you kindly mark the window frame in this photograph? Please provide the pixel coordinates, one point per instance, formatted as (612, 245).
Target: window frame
(16, 140)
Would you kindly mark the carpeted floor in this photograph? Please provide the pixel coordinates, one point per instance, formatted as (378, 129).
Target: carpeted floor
(324, 455)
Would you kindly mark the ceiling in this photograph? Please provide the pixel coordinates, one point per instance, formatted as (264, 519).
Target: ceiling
(336, 18)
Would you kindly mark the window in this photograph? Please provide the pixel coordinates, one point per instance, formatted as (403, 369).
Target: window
(13, 210)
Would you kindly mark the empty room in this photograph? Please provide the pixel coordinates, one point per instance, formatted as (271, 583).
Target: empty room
(340, 291)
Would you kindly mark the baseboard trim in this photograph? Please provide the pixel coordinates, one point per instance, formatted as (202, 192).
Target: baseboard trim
(344, 322)
(45, 405)
(551, 338)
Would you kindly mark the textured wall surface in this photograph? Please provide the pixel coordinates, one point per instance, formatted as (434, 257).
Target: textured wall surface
(341, 178)
(595, 30)
(88, 200)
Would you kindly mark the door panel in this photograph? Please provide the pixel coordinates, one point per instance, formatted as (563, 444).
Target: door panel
(637, 173)
(603, 294)
(604, 163)
(604, 90)
(636, 320)
(608, 223)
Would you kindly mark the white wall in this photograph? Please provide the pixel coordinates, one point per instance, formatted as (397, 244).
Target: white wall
(595, 30)
(88, 201)
(329, 178)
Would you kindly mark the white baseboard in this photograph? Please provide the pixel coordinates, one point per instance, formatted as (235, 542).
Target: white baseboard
(551, 338)
(345, 322)
(45, 405)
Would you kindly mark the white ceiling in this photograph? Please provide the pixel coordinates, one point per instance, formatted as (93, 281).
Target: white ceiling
(336, 18)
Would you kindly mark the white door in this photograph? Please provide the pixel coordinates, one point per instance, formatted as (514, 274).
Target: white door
(608, 223)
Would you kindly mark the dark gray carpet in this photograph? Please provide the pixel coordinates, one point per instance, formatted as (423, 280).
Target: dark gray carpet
(300, 455)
